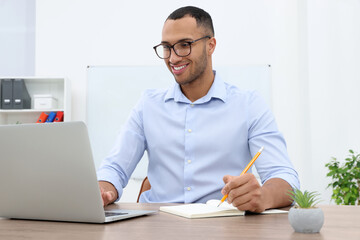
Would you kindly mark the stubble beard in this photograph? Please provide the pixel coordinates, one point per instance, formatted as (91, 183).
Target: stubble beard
(202, 64)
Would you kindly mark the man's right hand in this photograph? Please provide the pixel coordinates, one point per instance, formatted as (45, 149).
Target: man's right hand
(108, 192)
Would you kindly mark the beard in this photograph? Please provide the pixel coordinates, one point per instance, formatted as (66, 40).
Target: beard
(200, 64)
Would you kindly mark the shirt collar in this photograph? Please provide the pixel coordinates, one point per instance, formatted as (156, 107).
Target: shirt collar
(217, 90)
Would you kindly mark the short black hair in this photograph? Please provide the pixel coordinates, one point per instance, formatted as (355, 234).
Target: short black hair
(202, 18)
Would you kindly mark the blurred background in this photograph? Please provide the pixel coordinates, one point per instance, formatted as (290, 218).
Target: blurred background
(312, 46)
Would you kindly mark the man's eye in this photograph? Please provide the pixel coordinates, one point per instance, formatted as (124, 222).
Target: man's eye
(184, 44)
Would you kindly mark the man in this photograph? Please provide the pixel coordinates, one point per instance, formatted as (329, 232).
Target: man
(199, 132)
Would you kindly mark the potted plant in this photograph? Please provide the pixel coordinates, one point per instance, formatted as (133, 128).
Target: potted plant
(345, 179)
(304, 216)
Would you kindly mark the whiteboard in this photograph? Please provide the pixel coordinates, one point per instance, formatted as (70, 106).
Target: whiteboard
(112, 91)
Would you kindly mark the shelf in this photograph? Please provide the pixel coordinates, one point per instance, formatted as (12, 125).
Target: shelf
(29, 110)
(58, 87)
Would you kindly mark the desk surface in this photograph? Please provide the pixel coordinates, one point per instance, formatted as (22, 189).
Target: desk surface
(341, 222)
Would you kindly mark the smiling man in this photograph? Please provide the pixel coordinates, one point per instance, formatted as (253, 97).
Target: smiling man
(191, 63)
(201, 133)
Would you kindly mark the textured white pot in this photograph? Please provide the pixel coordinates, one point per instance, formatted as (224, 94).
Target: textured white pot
(306, 220)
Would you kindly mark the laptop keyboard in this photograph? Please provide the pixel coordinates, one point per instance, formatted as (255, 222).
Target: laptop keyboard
(110, 214)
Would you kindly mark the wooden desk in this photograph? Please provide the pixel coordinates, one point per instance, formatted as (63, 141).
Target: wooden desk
(341, 222)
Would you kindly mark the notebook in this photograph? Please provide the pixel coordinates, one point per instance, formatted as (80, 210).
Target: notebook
(47, 172)
(209, 209)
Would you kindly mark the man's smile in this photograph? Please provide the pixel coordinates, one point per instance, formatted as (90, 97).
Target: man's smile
(178, 69)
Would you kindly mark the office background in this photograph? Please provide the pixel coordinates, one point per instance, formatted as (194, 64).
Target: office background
(312, 46)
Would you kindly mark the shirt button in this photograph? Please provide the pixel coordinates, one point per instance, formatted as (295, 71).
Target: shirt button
(188, 188)
(189, 130)
(189, 161)
(191, 105)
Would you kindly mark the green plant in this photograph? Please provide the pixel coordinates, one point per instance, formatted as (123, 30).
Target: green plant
(304, 199)
(345, 179)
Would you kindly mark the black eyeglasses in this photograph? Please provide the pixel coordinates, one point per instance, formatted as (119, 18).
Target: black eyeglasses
(181, 49)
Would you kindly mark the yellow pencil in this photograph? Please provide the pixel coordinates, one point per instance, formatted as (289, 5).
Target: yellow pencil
(244, 171)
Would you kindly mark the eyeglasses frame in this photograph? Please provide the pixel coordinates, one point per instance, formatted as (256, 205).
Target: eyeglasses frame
(172, 46)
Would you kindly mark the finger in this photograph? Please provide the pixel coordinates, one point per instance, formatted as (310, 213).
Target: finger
(235, 182)
(227, 178)
(251, 206)
(111, 196)
(107, 197)
(238, 193)
(239, 200)
(103, 197)
(245, 185)
(243, 188)
(242, 203)
(250, 200)
(248, 206)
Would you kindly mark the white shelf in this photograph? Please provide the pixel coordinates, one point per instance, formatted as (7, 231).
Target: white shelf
(58, 87)
(29, 110)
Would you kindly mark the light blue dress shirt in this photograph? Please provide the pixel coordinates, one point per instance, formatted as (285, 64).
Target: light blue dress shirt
(192, 145)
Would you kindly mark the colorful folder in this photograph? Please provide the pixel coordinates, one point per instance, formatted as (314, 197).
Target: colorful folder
(51, 117)
(59, 116)
(42, 118)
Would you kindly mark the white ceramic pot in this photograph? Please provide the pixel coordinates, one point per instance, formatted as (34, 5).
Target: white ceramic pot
(306, 220)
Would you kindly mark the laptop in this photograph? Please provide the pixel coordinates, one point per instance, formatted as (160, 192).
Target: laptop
(47, 172)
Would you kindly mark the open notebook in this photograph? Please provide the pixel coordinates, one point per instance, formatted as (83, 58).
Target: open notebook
(209, 209)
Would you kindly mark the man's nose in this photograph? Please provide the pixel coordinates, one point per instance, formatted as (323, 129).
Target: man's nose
(174, 58)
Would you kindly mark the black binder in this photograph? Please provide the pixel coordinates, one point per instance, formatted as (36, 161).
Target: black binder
(21, 95)
(6, 94)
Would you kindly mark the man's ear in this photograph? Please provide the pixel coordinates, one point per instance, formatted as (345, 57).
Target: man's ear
(212, 45)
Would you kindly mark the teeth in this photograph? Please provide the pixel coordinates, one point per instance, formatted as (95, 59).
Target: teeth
(179, 68)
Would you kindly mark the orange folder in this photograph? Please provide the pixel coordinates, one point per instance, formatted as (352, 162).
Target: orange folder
(42, 118)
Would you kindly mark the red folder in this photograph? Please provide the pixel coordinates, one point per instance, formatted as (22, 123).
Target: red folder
(42, 118)
(59, 117)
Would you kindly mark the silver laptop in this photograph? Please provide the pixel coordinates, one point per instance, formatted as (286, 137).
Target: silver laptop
(47, 172)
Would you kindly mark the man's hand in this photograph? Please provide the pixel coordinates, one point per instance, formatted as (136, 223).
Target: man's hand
(108, 192)
(245, 192)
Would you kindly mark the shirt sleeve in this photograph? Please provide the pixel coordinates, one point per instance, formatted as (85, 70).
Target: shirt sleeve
(129, 148)
(274, 161)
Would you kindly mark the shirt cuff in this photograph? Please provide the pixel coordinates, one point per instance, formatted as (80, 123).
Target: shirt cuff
(107, 176)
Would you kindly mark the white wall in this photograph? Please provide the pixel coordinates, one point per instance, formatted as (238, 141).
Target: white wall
(312, 47)
(333, 83)
(17, 37)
